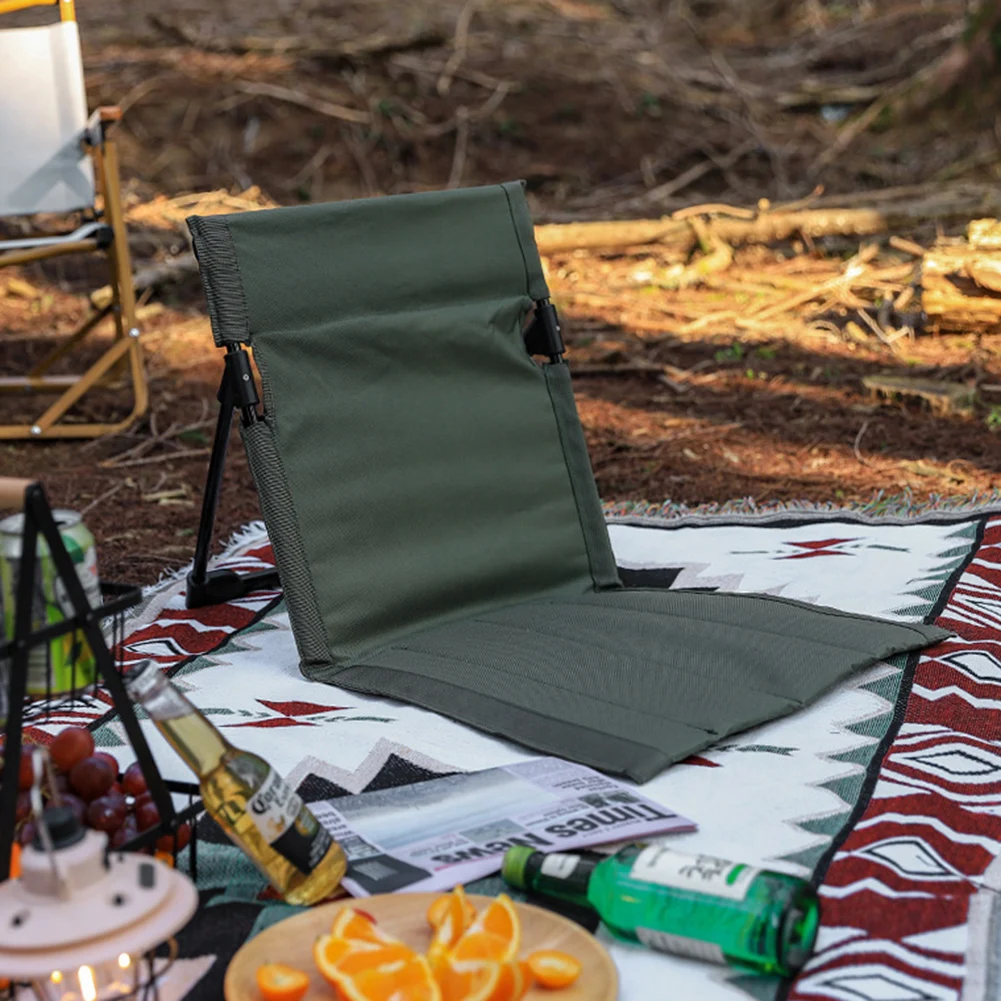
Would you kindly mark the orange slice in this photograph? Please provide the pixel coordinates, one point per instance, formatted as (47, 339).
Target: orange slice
(526, 972)
(453, 920)
(482, 947)
(278, 982)
(331, 953)
(495, 935)
(436, 910)
(361, 960)
(483, 982)
(501, 919)
(358, 927)
(511, 984)
(553, 969)
(468, 981)
(405, 980)
(440, 906)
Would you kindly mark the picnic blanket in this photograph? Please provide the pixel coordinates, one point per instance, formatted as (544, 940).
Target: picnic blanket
(886, 793)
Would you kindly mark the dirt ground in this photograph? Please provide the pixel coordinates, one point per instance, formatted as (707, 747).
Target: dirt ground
(609, 109)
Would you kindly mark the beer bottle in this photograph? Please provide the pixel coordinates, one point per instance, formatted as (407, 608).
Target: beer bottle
(244, 795)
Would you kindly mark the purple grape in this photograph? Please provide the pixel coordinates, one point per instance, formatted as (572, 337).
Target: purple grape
(106, 814)
(92, 778)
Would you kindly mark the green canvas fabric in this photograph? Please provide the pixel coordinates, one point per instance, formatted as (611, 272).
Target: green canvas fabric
(435, 520)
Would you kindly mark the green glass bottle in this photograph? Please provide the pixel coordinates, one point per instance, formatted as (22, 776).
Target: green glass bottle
(690, 905)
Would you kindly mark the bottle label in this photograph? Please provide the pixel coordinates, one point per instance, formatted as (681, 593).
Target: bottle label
(287, 824)
(559, 866)
(679, 945)
(698, 873)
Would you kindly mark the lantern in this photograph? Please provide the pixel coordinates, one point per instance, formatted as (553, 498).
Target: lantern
(82, 923)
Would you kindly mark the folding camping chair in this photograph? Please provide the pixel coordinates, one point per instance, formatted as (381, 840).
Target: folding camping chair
(50, 154)
(426, 486)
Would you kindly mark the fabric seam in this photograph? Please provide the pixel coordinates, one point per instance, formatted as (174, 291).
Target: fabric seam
(517, 237)
(573, 485)
(270, 425)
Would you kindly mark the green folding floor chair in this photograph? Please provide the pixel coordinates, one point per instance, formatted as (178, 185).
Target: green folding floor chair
(426, 486)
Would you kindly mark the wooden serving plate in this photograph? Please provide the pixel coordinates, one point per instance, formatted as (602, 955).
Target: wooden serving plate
(404, 915)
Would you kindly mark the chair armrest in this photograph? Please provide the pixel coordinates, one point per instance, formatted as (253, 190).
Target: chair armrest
(99, 122)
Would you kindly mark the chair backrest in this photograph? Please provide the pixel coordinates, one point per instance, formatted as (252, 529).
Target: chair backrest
(416, 464)
(43, 115)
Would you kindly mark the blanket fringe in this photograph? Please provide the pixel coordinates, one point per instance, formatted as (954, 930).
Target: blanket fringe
(252, 532)
(900, 507)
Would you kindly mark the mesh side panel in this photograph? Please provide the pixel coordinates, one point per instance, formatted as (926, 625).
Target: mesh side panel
(626, 680)
(283, 528)
(220, 271)
(592, 522)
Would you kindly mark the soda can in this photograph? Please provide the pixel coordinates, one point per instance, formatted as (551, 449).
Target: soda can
(66, 663)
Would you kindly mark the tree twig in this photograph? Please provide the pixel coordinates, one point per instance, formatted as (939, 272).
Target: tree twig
(670, 188)
(148, 460)
(459, 47)
(103, 497)
(461, 142)
(320, 106)
(858, 441)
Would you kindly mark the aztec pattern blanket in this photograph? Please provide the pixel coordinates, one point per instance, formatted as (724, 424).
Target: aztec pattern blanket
(886, 793)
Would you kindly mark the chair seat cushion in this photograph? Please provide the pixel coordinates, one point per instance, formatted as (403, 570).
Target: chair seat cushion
(628, 681)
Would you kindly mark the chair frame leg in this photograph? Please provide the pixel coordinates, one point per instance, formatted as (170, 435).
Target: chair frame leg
(211, 587)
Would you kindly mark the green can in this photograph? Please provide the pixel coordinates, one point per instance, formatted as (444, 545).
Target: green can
(67, 662)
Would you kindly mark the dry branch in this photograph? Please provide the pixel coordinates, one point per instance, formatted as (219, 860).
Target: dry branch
(677, 236)
(324, 49)
(150, 277)
(328, 108)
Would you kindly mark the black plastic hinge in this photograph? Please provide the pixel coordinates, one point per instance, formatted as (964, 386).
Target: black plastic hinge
(543, 336)
(104, 237)
(239, 381)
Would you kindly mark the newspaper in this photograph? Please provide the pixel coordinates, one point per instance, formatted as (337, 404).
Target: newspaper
(436, 834)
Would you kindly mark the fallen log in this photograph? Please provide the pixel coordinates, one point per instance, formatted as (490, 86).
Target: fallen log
(942, 397)
(961, 285)
(679, 237)
(150, 277)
